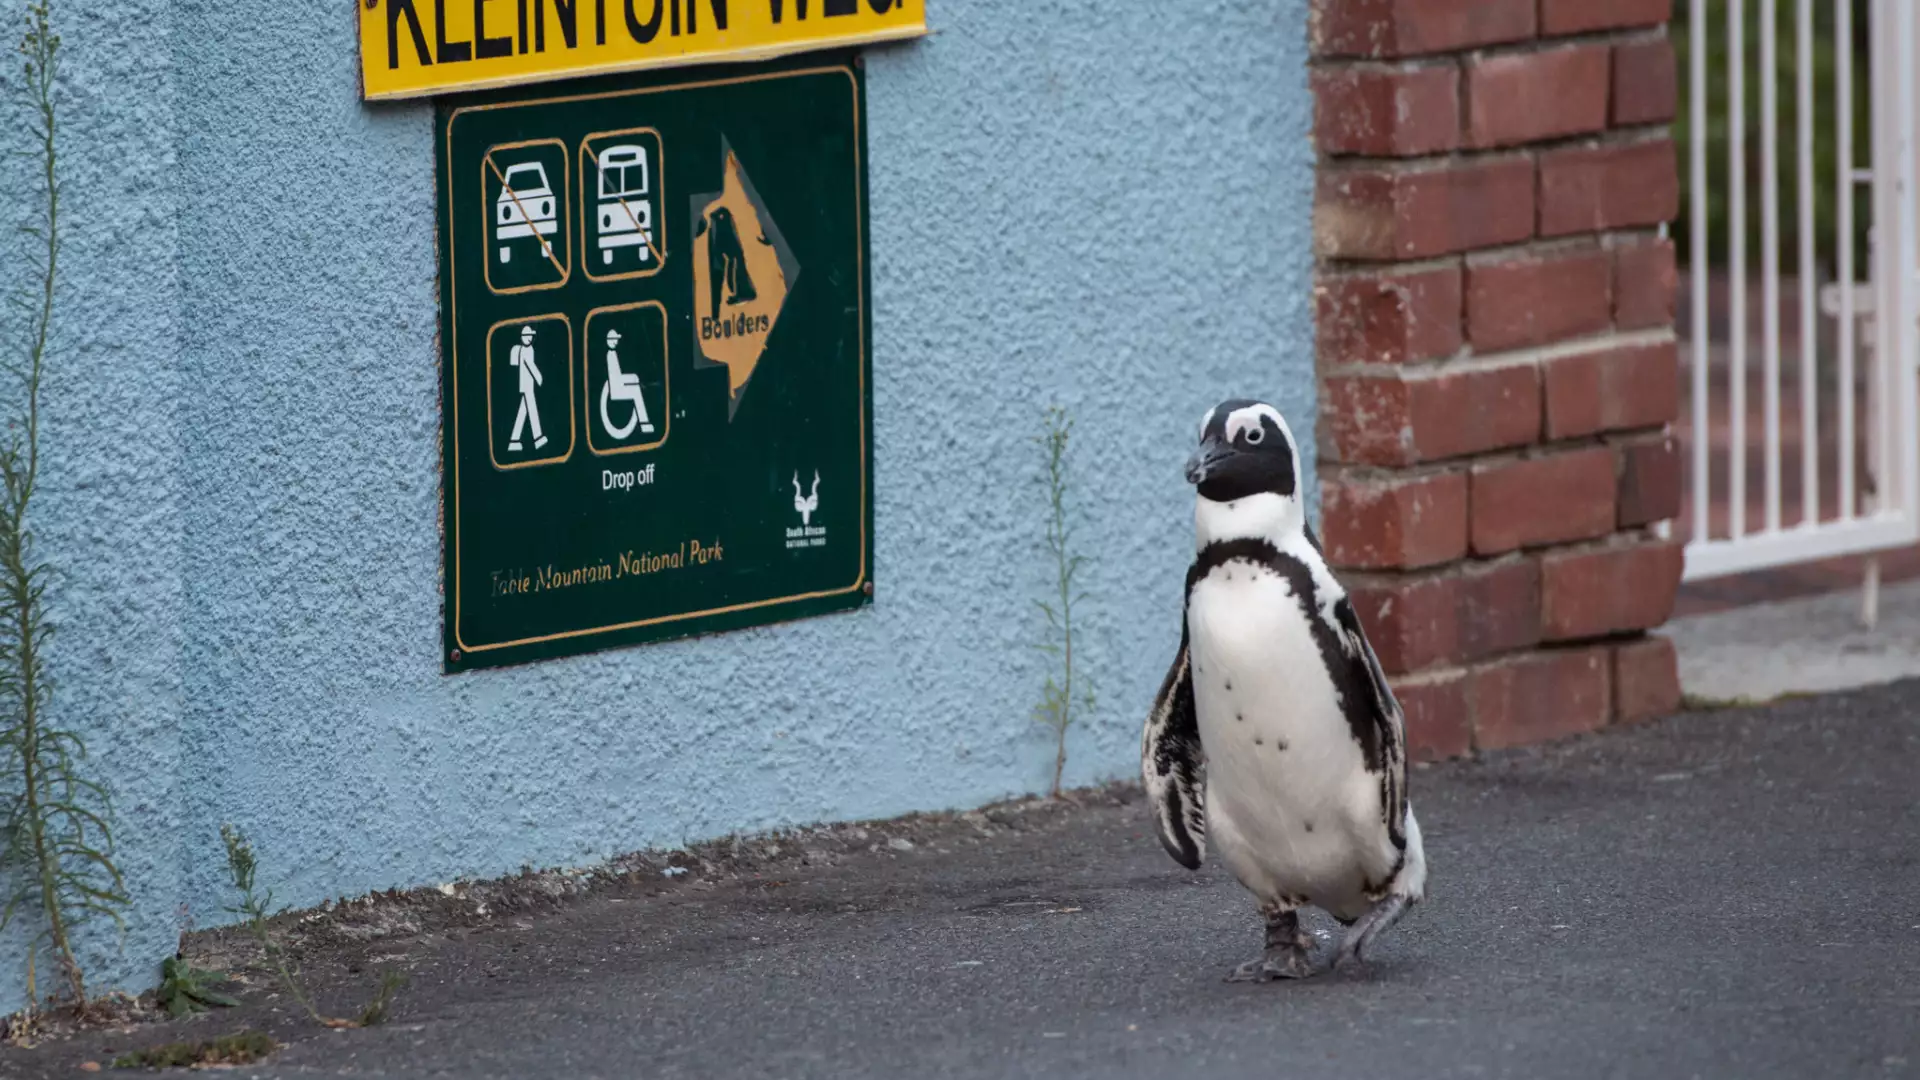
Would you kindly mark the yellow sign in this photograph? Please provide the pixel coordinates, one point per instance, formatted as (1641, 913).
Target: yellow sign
(739, 282)
(411, 48)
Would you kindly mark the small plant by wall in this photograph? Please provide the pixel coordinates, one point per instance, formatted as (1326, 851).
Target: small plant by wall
(185, 990)
(56, 838)
(255, 908)
(1057, 702)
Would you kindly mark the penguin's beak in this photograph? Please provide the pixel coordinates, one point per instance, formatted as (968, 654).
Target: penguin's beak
(1207, 460)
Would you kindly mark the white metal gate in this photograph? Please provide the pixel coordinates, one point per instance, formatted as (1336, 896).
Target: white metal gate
(1857, 464)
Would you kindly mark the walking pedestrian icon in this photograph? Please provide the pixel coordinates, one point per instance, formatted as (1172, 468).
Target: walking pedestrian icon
(529, 388)
(522, 358)
(626, 378)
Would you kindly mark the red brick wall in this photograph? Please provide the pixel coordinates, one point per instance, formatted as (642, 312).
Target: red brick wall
(1496, 355)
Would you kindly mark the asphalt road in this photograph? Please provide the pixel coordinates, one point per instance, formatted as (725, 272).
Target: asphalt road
(1725, 894)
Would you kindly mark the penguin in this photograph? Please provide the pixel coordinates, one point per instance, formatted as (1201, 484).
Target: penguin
(726, 261)
(1275, 730)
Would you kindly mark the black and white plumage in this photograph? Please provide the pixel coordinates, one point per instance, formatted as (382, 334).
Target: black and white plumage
(1275, 731)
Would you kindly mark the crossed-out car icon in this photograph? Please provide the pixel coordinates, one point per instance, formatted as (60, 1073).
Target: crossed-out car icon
(525, 208)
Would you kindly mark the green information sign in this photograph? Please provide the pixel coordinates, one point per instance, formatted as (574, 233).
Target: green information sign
(656, 372)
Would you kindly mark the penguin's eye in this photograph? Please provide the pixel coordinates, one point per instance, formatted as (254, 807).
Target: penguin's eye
(1254, 436)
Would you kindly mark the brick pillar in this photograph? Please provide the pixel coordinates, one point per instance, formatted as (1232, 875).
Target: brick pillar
(1496, 355)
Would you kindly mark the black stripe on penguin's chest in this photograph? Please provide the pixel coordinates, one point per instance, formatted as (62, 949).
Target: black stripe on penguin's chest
(1342, 669)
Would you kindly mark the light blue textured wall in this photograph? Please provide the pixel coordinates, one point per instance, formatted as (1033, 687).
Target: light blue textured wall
(1096, 204)
(112, 475)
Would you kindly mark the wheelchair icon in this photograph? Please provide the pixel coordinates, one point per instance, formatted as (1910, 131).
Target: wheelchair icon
(622, 386)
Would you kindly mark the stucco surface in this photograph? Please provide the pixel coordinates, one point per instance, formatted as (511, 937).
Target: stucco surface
(1101, 206)
(108, 513)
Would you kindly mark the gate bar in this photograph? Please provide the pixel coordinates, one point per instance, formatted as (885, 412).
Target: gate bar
(1809, 273)
(1843, 278)
(1698, 348)
(1737, 266)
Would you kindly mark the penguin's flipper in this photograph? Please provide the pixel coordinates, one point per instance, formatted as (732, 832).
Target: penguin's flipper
(1171, 763)
(1380, 728)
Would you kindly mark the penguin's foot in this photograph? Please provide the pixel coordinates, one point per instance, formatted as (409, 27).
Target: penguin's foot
(1288, 954)
(1361, 935)
(1274, 964)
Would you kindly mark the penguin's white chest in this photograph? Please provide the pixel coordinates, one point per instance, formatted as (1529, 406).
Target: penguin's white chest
(1290, 803)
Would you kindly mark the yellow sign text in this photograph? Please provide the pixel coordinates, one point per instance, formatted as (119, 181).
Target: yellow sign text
(411, 48)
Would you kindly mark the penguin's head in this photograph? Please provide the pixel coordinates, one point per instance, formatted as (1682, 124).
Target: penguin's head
(1245, 449)
(1246, 472)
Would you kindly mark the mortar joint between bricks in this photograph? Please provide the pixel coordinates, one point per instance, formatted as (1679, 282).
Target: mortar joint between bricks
(1412, 368)
(1338, 270)
(1580, 346)
(1358, 580)
(1429, 676)
(1632, 133)
(1374, 66)
(1629, 35)
(1621, 638)
(1648, 534)
(1618, 540)
(1612, 138)
(1613, 240)
(1611, 438)
(1521, 653)
(1538, 452)
(1579, 645)
(1551, 447)
(1620, 239)
(1531, 452)
(1636, 35)
(1465, 566)
(1334, 166)
(1541, 247)
(1359, 473)
(1493, 563)
(1466, 361)
(1642, 436)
